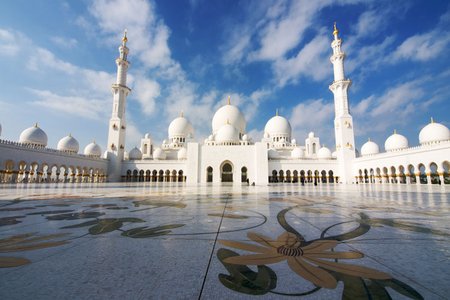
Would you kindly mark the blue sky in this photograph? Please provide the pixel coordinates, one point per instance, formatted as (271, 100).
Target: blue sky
(57, 60)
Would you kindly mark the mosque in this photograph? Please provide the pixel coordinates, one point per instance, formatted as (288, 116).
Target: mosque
(229, 154)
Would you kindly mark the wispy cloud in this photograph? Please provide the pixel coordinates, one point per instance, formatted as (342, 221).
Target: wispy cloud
(64, 42)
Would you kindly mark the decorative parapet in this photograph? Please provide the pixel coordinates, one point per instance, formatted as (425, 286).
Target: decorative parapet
(37, 148)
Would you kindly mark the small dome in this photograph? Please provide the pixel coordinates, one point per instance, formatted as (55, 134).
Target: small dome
(272, 153)
(182, 154)
(297, 152)
(245, 138)
(34, 136)
(159, 154)
(147, 136)
(395, 142)
(266, 135)
(227, 133)
(135, 154)
(294, 141)
(228, 114)
(164, 141)
(277, 126)
(180, 127)
(93, 150)
(210, 137)
(434, 132)
(324, 153)
(311, 134)
(334, 154)
(68, 144)
(370, 148)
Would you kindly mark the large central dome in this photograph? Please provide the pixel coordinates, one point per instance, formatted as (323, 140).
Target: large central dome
(228, 114)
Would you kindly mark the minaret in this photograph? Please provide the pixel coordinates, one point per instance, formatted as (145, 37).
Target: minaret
(117, 123)
(343, 122)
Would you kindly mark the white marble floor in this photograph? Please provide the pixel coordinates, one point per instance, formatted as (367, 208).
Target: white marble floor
(148, 241)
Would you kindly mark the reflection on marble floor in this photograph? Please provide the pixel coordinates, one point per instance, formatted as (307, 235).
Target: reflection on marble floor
(159, 241)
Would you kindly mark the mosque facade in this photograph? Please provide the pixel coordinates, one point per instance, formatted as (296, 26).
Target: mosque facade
(229, 154)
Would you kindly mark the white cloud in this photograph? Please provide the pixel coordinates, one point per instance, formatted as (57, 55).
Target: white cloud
(313, 115)
(9, 42)
(42, 59)
(64, 42)
(72, 105)
(422, 47)
(146, 92)
(310, 61)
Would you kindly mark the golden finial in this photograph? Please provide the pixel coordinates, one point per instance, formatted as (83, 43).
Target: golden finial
(432, 121)
(276, 113)
(181, 114)
(336, 31)
(229, 100)
(70, 134)
(369, 139)
(36, 125)
(125, 39)
(395, 131)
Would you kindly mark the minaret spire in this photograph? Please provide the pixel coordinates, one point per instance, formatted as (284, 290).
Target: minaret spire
(117, 123)
(343, 121)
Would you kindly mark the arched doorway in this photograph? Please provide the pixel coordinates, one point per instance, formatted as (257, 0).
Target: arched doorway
(209, 174)
(244, 174)
(227, 172)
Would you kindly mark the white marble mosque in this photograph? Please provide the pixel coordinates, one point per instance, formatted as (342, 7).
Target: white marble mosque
(229, 154)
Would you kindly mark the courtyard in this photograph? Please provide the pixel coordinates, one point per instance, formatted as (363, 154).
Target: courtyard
(175, 241)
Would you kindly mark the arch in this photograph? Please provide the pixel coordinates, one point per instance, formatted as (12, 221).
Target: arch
(302, 177)
(324, 176)
(314, 148)
(295, 176)
(434, 176)
(244, 174)
(274, 177)
(422, 174)
(401, 174)
(226, 170)
(154, 176)
(135, 175)
(281, 176)
(288, 176)
(385, 175)
(366, 176)
(180, 176)
(412, 174)
(148, 175)
(167, 176)
(160, 176)
(446, 172)
(174, 176)
(371, 175)
(209, 174)
(309, 177)
(330, 176)
(141, 175)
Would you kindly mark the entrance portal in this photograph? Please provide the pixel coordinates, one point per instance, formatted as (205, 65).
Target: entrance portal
(227, 172)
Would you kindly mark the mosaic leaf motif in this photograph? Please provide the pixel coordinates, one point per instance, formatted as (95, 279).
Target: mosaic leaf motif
(306, 258)
(229, 216)
(160, 203)
(10, 262)
(26, 242)
(101, 226)
(16, 208)
(10, 220)
(244, 280)
(145, 232)
(361, 288)
(75, 216)
(50, 212)
(401, 225)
